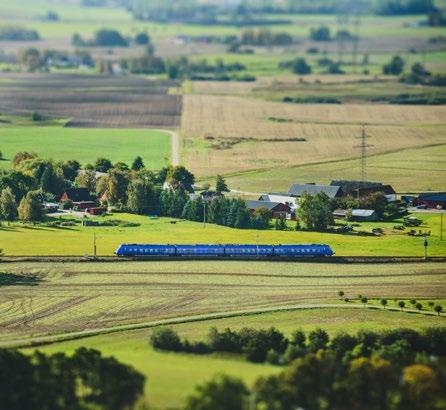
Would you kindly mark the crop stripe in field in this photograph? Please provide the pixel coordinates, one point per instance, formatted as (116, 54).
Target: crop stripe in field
(43, 340)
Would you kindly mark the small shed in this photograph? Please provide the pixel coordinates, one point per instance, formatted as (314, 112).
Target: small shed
(96, 211)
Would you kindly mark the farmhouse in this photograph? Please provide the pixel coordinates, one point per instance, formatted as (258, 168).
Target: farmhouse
(364, 188)
(431, 200)
(361, 215)
(331, 191)
(80, 197)
(277, 209)
(291, 201)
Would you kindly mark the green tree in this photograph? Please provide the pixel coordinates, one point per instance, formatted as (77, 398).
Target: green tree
(419, 306)
(364, 300)
(221, 393)
(31, 59)
(8, 205)
(394, 67)
(140, 195)
(180, 178)
(220, 184)
(317, 339)
(314, 211)
(341, 294)
(103, 165)
(137, 164)
(86, 179)
(117, 185)
(30, 208)
(383, 303)
(438, 309)
(300, 66)
(165, 338)
(320, 34)
(401, 304)
(52, 180)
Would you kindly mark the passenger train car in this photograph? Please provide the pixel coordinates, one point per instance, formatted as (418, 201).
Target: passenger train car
(223, 251)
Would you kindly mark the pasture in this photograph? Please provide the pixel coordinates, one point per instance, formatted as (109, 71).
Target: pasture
(19, 239)
(86, 145)
(58, 298)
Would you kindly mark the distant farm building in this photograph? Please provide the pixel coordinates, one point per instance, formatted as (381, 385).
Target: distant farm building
(363, 188)
(96, 211)
(80, 197)
(331, 191)
(432, 200)
(277, 209)
(360, 215)
(291, 201)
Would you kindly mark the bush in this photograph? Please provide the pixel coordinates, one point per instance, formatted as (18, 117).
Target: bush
(166, 339)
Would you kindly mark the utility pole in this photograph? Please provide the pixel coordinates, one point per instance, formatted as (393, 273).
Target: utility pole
(204, 213)
(94, 245)
(363, 152)
(441, 225)
(426, 244)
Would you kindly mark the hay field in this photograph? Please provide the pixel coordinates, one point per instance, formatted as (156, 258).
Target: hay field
(331, 132)
(54, 298)
(92, 101)
(409, 171)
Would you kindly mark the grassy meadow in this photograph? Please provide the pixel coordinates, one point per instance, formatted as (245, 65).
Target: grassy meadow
(57, 298)
(42, 239)
(85, 145)
(168, 374)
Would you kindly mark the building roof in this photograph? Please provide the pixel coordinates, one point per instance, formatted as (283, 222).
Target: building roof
(434, 198)
(386, 189)
(78, 194)
(425, 195)
(361, 213)
(331, 190)
(351, 185)
(263, 204)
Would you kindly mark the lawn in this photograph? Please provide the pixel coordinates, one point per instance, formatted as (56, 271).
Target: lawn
(86, 145)
(19, 239)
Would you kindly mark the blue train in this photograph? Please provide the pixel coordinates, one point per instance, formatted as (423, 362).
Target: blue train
(217, 251)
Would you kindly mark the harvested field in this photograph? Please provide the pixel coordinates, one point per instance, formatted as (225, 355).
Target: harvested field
(92, 101)
(331, 132)
(58, 298)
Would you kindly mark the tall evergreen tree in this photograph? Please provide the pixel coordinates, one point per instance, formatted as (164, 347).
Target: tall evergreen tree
(137, 164)
(220, 184)
(139, 195)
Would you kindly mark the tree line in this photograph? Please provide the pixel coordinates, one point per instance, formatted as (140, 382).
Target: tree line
(84, 380)
(399, 369)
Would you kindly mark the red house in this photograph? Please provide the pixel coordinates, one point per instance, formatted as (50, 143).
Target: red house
(80, 197)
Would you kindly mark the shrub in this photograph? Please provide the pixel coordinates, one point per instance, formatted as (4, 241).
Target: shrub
(165, 339)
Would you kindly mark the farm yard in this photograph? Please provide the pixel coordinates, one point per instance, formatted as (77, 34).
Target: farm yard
(18, 239)
(58, 298)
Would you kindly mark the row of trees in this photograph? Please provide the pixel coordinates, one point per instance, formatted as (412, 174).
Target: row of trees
(110, 38)
(399, 346)
(84, 380)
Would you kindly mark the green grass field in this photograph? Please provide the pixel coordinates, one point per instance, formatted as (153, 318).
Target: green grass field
(86, 145)
(169, 374)
(19, 239)
(57, 298)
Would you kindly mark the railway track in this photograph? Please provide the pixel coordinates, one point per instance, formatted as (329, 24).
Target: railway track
(328, 260)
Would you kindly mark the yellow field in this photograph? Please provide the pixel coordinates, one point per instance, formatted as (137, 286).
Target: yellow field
(331, 132)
